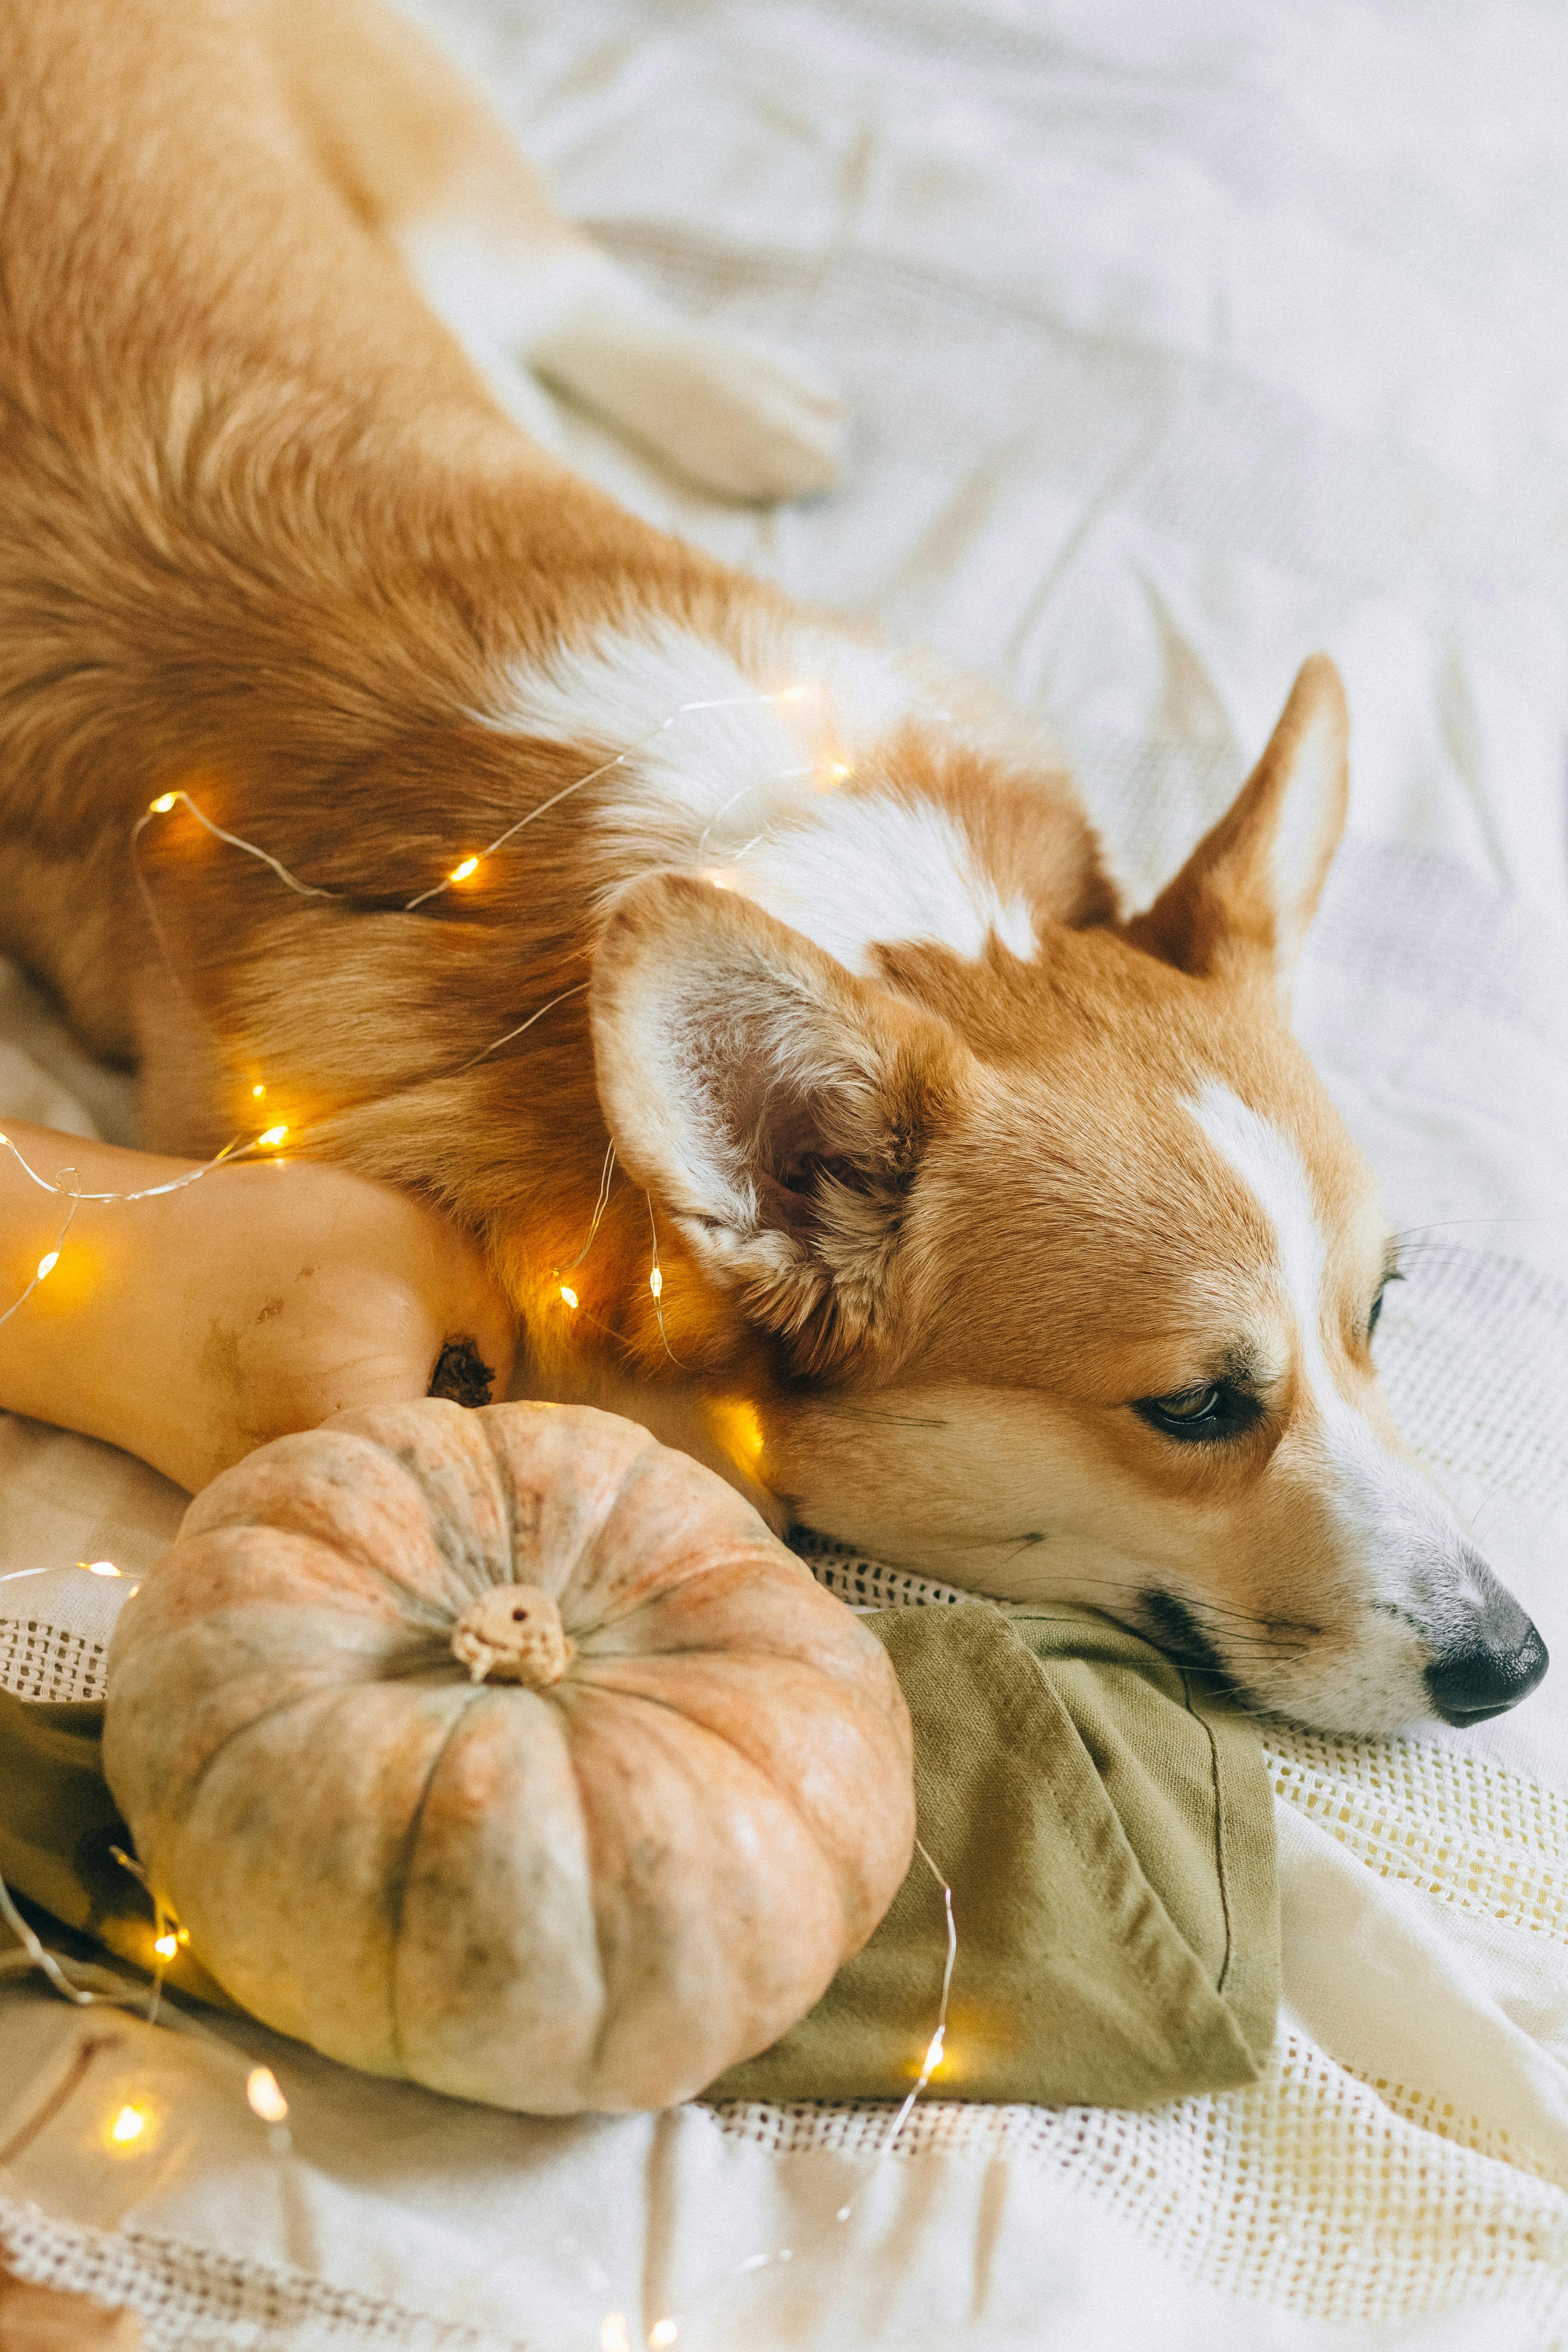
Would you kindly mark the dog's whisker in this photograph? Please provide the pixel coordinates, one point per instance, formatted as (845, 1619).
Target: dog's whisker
(1504, 1487)
(1250, 1616)
(1444, 1225)
(1261, 1628)
(1242, 1657)
(1259, 1652)
(893, 1419)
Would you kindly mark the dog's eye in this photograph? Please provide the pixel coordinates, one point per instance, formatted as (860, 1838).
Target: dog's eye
(1376, 1308)
(1203, 1414)
(1191, 1405)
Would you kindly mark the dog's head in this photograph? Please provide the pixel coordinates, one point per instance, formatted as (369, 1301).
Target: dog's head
(1064, 1270)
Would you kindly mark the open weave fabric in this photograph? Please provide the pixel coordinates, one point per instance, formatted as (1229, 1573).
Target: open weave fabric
(1304, 2191)
(1317, 2189)
(1338, 2193)
(189, 2299)
(54, 1633)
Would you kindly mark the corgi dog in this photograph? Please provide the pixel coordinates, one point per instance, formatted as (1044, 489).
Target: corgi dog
(757, 992)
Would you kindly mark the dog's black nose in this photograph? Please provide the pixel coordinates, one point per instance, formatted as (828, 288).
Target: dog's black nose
(1498, 1663)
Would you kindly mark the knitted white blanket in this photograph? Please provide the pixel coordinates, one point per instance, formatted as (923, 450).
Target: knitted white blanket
(1182, 338)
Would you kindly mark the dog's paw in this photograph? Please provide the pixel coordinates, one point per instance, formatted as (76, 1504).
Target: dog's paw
(732, 415)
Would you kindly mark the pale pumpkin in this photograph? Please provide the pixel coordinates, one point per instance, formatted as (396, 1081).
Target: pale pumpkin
(507, 1751)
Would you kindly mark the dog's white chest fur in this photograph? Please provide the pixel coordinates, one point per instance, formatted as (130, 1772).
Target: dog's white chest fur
(739, 772)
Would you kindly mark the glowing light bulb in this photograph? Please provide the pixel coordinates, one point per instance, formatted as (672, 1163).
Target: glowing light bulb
(166, 1944)
(263, 2095)
(612, 2336)
(162, 805)
(128, 2123)
(934, 2051)
(794, 693)
(273, 1135)
(568, 1294)
(461, 873)
(257, 1092)
(739, 1427)
(837, 771)
(47, 1262)
(100, 1568)
(662, 2332)
(655, 1283)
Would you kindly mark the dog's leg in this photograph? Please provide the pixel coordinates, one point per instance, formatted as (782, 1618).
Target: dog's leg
(429, 166)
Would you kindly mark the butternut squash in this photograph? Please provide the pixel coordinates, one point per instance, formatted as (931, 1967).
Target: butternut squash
(191, 1327)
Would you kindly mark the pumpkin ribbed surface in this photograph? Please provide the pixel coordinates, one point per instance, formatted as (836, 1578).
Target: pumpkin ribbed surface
(594, 1893)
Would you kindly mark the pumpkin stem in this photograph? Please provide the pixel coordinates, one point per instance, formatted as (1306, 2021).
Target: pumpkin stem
(512, 1633)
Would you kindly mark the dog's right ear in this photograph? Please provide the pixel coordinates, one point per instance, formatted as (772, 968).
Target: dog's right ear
(775, 1105)
(1252, 886)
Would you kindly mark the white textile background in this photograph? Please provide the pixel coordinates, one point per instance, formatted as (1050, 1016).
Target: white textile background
(1183, 336)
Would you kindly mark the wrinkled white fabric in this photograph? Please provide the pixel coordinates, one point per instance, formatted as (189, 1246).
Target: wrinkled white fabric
(1182, 338)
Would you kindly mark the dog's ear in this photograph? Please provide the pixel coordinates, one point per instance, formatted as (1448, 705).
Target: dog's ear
(1252, 886)
(775, 1105)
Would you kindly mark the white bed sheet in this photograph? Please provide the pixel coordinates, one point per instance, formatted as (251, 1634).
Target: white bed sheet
(1182, 338)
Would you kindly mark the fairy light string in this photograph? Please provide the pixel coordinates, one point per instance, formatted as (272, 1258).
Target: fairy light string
(51, 1257)
(607, 1177)
(496, 1042)
(613, 2336)
(467, 866)
(73, 1192)
(565, 1291)
(655, 1285)
(272, 1138)
(829, 773)
(936, 2048)
(126, 2124)
(86, 1985)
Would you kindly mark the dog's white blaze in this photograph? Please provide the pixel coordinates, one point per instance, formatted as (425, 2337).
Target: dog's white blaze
(1383, 1506)
(746, 788)
(1271, 1169)
(1367, 1482)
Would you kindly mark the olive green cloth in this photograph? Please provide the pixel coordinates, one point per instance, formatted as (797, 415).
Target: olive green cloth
(1108, 1836)
(59, 1831)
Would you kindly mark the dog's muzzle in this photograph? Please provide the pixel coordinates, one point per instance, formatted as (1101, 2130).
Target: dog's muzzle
(1497, 1662)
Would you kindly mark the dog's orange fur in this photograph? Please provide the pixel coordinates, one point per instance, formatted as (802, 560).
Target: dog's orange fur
(267, 538)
